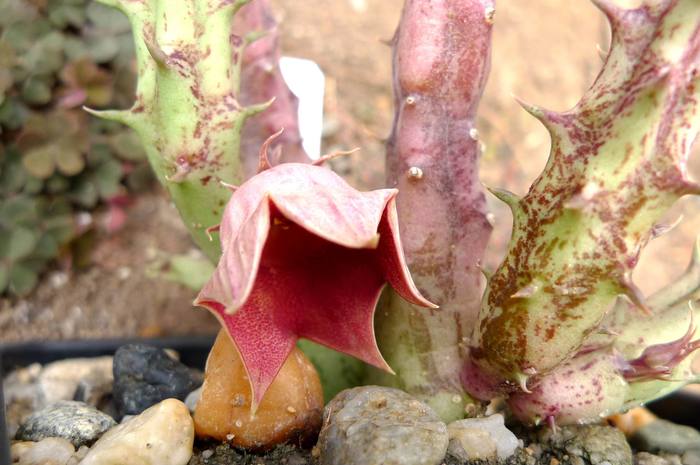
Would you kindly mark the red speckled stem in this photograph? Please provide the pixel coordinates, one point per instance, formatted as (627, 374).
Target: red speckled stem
(262, 80)
(441, 63)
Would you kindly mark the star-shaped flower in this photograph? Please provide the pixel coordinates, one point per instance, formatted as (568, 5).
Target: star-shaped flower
(304, 255)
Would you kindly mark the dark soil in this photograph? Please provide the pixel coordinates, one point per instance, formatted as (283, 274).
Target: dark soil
(224, 454)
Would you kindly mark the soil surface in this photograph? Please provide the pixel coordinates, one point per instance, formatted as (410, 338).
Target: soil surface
(544, 52)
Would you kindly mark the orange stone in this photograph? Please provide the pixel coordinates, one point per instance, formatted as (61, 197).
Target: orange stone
(290, 411)
(632, 420)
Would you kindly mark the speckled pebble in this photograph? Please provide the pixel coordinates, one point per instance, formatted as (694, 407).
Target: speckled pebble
(590, 444)
(373, 425)
(75, 421)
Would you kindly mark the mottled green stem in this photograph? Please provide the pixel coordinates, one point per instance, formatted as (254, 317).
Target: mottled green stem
(635, 359)
(617, 163)
(441, 62)
(186, 109)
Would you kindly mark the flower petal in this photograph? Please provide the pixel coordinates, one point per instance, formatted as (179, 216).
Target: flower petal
(234, 277)
(305, 287)
(330, 208)
(392, 258)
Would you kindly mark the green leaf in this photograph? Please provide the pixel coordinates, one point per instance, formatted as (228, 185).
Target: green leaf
(4, 276)
(40, 162)
(13, 176)
(46, 55)
(69, 160)
(106, 19)
(108, 177)
(17, 11)
(103, 49)
(189, 271)
(33, 186)
(19, 210)
(13, 113)
(84, 193)
(22, 279)
(140, 178)
(36, 90)
(17, 243)
(127, 145)
(47, 247)
(62, 14)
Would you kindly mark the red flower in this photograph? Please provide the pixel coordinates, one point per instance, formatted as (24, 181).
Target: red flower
(304, 255)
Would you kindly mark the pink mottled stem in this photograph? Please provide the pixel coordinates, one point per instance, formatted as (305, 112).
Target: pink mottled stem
(262, 80)
(441, 63)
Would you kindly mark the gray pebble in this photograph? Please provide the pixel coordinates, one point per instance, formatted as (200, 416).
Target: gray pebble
(590, 444)
(75, 421)
(193, 398)
(373, 425)
(692, 457)
(662, 435)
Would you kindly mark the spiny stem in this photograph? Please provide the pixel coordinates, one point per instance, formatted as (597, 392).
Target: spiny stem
(617, 164)
(441, 62)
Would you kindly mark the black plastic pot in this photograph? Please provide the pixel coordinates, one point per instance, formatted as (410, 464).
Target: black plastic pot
(681, 407)
(193, 352)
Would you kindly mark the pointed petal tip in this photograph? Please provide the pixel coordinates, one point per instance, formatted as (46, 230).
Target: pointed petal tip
(264, 161)
(329, 156)
(373, 242)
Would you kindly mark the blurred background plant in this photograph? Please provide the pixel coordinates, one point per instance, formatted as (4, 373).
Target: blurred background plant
(57, 163)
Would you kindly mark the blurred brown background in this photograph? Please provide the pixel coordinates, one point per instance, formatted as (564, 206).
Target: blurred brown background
(544, 52)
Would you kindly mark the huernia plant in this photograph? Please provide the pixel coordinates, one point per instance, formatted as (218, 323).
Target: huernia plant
(617, 163)
(306, 255)
(441, 61)
(187, 111)
(261, 80)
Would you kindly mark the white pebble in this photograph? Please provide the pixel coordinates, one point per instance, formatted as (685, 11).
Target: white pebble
(480, 436)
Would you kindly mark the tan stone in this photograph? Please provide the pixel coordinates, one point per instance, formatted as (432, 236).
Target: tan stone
(290, 411)
(160, 435)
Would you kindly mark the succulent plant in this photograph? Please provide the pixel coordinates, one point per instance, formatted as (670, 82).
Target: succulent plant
(187, 109)
(57, 161)
(617, 163)
(441, 61)
(261, 80)
(636, 358)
